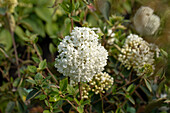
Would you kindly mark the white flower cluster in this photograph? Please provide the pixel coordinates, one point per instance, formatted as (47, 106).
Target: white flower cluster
(146, 23)
(138, 54)
(80, 55)
(101, 82)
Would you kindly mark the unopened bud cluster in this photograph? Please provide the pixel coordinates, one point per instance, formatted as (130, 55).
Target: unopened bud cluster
(139, 55)
(101, 82)
(85, 91)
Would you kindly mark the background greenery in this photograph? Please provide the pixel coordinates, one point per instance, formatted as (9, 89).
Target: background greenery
(30, 34)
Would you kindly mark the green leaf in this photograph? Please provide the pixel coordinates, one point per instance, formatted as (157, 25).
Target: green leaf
(148, 85)
(80, 109)
(47, 78)
(164, 53)
(46, 102)
(38, 77)
(71, 90)
(31, 81)
(10, 107)
(55, 98)
(65, 6)
(32, 69)
(85, 102)
(34, 24)
(130, 89)
(154, 104)
(44, 13)
(104, 7)
(130, 99)
(33, 94)
(42, 97)
(63, 84)
(16, 82)
(46, 111)
(20, 33)
(43, 64)
(36, 59)
(6, 39)
(131, 110)
(51, 28)
(22, 93)
(76, 18)
(52, 48)
(97, 106)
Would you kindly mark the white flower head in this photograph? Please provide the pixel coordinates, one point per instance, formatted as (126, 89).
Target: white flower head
(145, 22)
(80, 55)
(139, 54)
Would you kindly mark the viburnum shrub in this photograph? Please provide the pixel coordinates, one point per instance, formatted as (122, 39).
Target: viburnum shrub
(86, 56)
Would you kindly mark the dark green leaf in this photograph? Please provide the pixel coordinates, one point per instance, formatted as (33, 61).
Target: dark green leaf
(131, 88)
(33, 94)
(16, 82)
(10, 107)
(164, 53)
(2, 11)
(148, 85)
(63, 84)
(130, 99)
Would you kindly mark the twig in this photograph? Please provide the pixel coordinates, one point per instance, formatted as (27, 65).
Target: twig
(79, 84)
(70, 103)
(38, 53)
(41, 59)
(52, 76)
(4, 53)
(13, 41)
(47, 97)
(72, 22)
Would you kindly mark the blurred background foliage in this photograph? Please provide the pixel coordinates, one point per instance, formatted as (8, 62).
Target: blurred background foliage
(38, 26)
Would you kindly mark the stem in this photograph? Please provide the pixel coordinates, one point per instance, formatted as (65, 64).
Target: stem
(4, 53)
(72, 22)
(102, 102)
(13, 42)
(80, 91)
(41, 59)
(38, 53)
(130, 82)
(47, 97)
(70, 103)
(52, 76)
